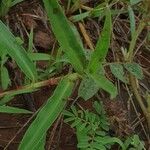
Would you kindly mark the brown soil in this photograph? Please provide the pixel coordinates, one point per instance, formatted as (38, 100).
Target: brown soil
(121, 113)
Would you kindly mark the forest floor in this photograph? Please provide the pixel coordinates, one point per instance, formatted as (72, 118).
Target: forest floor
(124, 113)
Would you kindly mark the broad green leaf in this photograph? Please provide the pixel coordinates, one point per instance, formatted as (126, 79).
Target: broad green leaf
(47, 115)
(5, 80)
(65, 35)
(88, 88)
(41, 144)
(105, 84)
(134, 69)
(118, 72)
(102, 45)
(9, 44)
(13, 110)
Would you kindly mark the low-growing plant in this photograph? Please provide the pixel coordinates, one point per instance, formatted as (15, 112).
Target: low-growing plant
(87, 67)
(92, 130)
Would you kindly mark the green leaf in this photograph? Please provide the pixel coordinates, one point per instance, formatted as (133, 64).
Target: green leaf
(109, 140)
(118, 72)
(14, 110)
(76, 122)
(30, 44)
(102, 45)
(41, 144)
(98, 107)
(105, 84)
(134, 69)
(6, 99)
(98, 146)
(4, 7)
(82, 126)
(39, 56)
(134, 2)
(5, 80)
(47, 115)
(132, 20)
(65, 35)
(88, 88)
(9, 44)
(68, 113)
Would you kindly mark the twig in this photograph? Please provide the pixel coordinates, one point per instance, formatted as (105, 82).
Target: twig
(86, 36)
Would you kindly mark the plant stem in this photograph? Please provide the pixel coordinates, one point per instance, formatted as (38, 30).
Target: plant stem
(132, 79)
(139, 99)
(19, 90)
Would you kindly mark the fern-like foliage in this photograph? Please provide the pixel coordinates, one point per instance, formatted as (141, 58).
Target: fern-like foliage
(91, 128)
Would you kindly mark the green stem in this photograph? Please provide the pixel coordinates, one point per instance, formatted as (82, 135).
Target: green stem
(132, 79)
(31, 87)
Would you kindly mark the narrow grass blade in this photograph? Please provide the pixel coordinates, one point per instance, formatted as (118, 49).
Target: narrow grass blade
(30, 44)
(13, 110)
(5, 80)
(65, 35)
(102, 45)
(47, 115)
(40, 56)
(9, 44)
(132, 20)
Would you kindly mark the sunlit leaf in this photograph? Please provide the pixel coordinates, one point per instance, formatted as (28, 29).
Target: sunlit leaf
(9, 44)
(102, 45)
(65, 35)
(47, 115)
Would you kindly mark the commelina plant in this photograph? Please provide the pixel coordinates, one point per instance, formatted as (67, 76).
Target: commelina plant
(89, 69)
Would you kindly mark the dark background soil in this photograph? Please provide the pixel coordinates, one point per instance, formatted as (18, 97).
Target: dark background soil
(21, 19)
